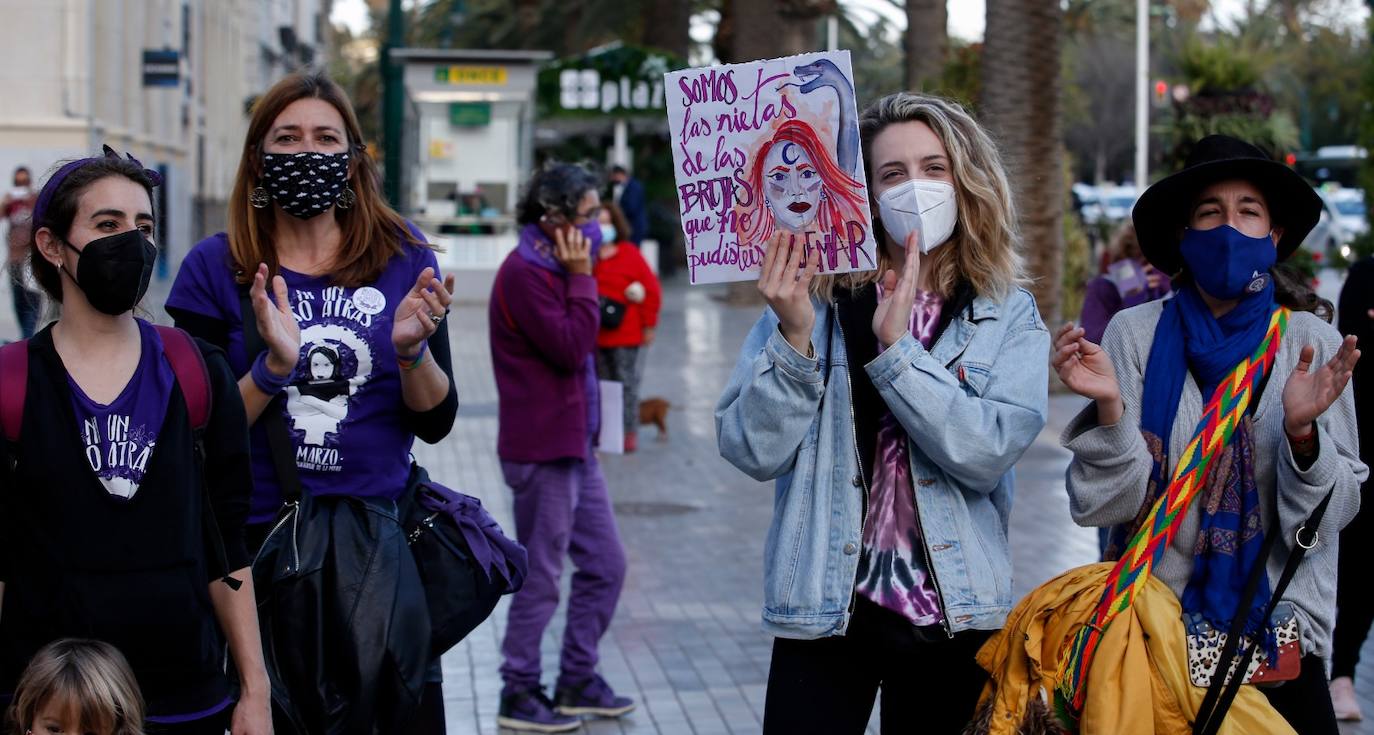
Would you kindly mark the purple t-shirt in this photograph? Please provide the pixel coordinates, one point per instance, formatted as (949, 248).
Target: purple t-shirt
(893, 569)
(343, 405)
(118, 438)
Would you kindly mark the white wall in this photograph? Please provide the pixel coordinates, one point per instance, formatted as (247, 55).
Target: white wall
(488, 153)
(71, 73)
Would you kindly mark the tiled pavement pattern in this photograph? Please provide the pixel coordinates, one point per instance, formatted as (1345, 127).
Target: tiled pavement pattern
(685, 642)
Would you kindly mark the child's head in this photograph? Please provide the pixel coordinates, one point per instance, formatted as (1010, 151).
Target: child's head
(77, 687)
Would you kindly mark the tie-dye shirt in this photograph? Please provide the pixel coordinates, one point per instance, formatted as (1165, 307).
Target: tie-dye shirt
(892, 570)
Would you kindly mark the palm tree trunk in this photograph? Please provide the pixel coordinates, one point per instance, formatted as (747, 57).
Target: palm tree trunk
(788, 33)
(1020, 105)
(926, 42)
(665, 26)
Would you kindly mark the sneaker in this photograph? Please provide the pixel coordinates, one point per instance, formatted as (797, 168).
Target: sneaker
(529, 710)
(591, 696)
(1343, 700)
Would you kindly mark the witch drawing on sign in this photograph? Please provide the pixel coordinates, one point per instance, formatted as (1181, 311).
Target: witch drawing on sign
(769, 150)
(806, 193)
(823, 74)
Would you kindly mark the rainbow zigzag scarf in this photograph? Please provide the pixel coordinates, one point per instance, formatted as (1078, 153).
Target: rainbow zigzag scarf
(1219, 421)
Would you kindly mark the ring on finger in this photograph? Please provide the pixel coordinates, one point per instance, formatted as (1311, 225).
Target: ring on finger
(436, 318)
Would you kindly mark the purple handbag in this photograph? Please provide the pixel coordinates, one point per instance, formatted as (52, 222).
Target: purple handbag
(466, 563)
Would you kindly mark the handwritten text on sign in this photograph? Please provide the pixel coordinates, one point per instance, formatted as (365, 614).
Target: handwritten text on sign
(764, 149)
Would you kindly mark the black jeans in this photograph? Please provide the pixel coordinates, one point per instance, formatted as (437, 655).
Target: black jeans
(1306, 701)
(929, 682)
(26, 306)
(1354, 595)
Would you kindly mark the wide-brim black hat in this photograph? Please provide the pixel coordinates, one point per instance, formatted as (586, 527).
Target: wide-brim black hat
(1164, 209)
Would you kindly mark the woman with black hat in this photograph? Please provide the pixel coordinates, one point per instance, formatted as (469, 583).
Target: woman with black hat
(1219, 227)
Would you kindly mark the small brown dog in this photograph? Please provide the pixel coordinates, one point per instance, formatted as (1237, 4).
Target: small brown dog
(655, 411)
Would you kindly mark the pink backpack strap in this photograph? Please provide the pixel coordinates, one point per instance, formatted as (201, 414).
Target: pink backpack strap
(14, 383)
(188, 365)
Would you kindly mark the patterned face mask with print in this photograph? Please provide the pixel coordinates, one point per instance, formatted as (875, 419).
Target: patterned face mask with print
(305, 184)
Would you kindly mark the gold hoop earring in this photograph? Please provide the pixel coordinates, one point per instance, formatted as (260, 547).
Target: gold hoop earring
(346, 198)
(259, 198)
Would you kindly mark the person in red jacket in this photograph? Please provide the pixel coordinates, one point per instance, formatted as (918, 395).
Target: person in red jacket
(627, 286)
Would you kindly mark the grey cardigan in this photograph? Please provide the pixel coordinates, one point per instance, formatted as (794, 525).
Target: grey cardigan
(1108, 474)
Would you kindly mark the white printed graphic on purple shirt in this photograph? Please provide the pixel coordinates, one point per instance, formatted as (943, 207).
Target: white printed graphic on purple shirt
(118, 438)
(336, 361)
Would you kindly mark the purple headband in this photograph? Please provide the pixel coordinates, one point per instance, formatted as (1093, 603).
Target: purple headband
(55, 181)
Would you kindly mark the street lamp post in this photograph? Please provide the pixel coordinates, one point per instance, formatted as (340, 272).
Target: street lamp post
(1142, 94)
(393, 102)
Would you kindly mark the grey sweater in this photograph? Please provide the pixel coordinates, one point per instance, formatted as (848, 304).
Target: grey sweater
(1111, 464)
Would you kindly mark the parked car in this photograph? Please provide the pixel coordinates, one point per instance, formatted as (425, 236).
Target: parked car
(1085, 198)
(1117, 203)
(1350, 210)
(1342, 219)
(1105, 206)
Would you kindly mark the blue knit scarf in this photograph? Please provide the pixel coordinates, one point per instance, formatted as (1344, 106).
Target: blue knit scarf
(1189, 340)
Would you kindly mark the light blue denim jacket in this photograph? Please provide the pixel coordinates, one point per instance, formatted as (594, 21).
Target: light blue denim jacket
(971, 406)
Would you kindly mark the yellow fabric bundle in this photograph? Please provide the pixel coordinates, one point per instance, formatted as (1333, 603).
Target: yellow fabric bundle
(1138, 683)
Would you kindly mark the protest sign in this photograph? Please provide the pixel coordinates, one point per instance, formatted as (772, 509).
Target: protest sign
(611, 437)
(764, 148)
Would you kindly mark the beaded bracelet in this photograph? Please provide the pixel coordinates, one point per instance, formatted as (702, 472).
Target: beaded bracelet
(1304, 445)
(410, 363)
(267, 381)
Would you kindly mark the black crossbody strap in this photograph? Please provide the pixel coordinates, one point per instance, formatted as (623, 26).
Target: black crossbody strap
(1222, 691)
(278, 437)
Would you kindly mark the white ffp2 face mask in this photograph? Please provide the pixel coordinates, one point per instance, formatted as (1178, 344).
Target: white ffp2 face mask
(919, 204)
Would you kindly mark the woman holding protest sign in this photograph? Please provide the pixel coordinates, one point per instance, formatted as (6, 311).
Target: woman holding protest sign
(890, 410)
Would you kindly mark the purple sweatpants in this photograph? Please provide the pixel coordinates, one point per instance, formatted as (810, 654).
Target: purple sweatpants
(562, 508)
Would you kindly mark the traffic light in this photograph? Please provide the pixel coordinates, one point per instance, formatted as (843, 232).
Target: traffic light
(1161, 94)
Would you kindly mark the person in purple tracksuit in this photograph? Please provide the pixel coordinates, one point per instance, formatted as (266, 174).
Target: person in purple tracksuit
(544, 319)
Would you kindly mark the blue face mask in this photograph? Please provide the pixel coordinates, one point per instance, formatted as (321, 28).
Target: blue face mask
(1226, 263)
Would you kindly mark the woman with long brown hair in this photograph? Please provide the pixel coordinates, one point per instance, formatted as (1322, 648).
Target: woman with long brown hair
(356, 304)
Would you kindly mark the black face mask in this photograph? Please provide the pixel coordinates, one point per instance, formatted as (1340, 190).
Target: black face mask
(305, 184)
(114, 271)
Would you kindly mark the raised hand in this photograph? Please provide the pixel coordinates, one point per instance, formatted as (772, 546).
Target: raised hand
(785, 285)
(1153, 278)
(1087, 370)
(421, 312)
(892, 320)
(573, 250)
(276, 323)
(1308, 393)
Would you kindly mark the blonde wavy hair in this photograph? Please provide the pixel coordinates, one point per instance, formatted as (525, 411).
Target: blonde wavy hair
(985, 248)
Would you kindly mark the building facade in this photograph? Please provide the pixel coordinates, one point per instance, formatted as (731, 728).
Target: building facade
(170, 81)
